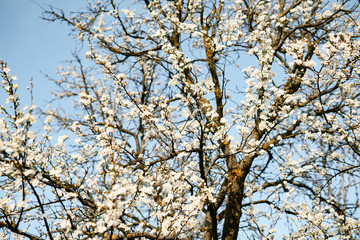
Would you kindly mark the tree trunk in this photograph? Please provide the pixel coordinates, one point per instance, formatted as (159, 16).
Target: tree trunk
(237, 176)
(208, 232)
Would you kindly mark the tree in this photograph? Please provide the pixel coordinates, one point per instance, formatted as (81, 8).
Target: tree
(192, 119)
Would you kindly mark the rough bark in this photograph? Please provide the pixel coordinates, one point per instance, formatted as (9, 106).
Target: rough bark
(237, 176)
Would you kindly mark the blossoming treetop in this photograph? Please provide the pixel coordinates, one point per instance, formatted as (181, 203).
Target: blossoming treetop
(192, 119)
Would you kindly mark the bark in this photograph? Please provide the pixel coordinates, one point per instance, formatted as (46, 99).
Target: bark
(208, 233)
(237, 176)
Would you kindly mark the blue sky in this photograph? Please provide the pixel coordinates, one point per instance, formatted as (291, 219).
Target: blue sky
(32, 46)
